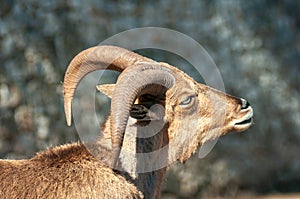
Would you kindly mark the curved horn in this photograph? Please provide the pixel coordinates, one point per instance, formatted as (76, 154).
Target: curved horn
(130, 85)
(95, 58)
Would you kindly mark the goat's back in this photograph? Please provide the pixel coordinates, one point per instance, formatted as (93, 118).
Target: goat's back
(68, 171)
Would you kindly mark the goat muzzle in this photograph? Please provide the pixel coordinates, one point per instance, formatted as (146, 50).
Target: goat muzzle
(246, 116)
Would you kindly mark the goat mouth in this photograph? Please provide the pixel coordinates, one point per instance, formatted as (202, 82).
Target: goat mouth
(246, 122)
(243, 125)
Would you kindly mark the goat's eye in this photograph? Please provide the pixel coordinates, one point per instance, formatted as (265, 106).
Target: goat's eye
(187, 100)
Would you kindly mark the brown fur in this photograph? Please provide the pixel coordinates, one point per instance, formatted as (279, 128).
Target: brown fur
(72, 171)
(67, 171)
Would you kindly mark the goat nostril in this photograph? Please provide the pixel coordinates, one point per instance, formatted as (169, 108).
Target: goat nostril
(245, 103)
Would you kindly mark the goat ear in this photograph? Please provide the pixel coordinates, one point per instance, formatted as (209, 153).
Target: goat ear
(106, 89)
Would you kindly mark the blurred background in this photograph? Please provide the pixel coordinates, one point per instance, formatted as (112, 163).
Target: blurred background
(255, 44)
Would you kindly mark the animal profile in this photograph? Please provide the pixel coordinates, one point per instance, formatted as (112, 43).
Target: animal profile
(147, 94)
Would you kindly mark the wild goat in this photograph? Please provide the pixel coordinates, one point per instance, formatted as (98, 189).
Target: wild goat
(147, 92)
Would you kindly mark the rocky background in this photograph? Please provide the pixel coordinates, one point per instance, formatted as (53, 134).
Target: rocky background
(255, 44)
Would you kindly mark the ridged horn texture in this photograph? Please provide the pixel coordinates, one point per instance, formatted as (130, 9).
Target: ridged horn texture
(95, 58)
(132, 83)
